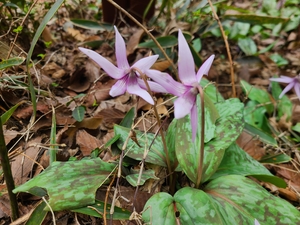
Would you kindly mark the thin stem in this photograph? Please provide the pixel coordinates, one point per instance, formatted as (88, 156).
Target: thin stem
(8, 176)
(144, 77)
(148, 33)
(200, 167)
(227, 48)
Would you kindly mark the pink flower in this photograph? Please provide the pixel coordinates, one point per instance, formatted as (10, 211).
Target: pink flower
(292, 83)
(128, 77)
(186, 102)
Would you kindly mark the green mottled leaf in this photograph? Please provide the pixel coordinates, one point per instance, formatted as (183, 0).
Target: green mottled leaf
(261, 135)
(276, 159)
(211, 91)
(38, 215)
(238, 195)
(226, 200)
(146, 175)
(279, 60)
(285, 106)
(237, 162)
(156, 154)
(71, 184)
(228, 127)
(98, 207)
(165, 42)
(247, 45)
(78, 113)
(255, 19)
(259, 95)
(88, 24)
(171, 141)
(15, 61)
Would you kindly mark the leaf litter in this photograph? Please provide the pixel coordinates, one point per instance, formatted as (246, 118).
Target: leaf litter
(75, 74)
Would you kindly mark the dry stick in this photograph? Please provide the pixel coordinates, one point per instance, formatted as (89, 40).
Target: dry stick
(159, 124)
(142, 167)
(227, 48)
(147, 32)
(23, 21)
(200, 167)
(106, 199)
(8, 176)
(112, 210)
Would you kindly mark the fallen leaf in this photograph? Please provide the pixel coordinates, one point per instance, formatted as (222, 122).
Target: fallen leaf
(86, 142)
(133, 41)
(251, 145)
(76, 34)
(22, 164)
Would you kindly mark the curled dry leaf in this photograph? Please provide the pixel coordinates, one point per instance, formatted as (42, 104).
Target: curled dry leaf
(251, 145)
(86, 142)
(23, 163)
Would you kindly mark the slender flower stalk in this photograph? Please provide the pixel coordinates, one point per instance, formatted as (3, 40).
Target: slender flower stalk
(292, 83)
(128, 79)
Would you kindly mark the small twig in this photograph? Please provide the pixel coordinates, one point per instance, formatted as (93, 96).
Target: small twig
(227, 48)
(200, 167)
(52, 213)
(8, 176)
(17, 34)
(106, 199)
(112, 209)
(148, 33)
(143, 76)
(146, 151)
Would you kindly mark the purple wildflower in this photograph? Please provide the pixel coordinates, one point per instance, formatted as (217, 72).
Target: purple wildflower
(128, 77)
(186, 102)
(292, 83)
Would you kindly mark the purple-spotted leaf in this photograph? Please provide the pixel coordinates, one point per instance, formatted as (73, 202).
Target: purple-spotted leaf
(70, 185)
(237, 162)
(237, 195)
(226, 200)
(228, 127)
(156, 154)
(146, 175)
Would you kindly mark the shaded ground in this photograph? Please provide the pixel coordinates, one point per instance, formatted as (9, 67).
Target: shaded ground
(65, 79)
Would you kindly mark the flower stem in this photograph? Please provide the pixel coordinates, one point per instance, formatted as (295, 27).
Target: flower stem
(200, 167)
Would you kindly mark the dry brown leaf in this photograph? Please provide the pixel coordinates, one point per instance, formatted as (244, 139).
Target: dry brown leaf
(86, 142)
(99, 93)
(9, 134)
(161, 65)
(161, 109)
(133, 41)
(251, 145)
(288, 194)
(76, 34)
(22, 165)
(26, 112)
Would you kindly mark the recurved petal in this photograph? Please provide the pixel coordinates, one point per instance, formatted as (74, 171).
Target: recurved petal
(106, 65)
(134, 88)
(119, 87)
(120, 48)
(186, 65)
(205, 68)
(194, 121)
(287, 88)
(145, 63)
(153, 86)
(297, 89)
(283, 79)
(167, 82)
(183, 104)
